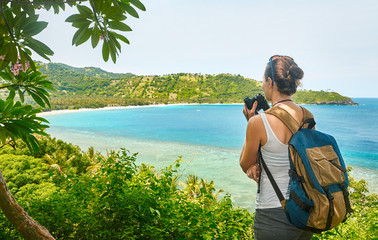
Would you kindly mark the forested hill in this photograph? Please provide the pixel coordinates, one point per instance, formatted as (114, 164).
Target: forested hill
(94, 87)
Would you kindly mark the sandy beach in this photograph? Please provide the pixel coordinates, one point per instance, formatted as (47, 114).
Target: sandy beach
(63, 111)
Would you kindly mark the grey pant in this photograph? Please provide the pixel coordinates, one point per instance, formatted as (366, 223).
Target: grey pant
(272, 223)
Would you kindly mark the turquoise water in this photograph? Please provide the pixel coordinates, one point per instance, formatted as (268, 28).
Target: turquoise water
(209, 138)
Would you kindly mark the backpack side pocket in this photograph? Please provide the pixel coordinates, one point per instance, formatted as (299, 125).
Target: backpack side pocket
(299, 206)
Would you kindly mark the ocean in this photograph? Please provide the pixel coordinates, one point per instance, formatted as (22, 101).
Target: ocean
(209, 138)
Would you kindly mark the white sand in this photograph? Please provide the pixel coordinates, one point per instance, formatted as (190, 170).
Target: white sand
(56, 112)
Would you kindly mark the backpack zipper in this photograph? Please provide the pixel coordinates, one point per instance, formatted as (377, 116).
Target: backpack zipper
(338, 166)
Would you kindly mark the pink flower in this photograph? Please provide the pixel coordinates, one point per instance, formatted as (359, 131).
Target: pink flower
(2, 57)
(102, 37)
(27, 65)
(15, 69)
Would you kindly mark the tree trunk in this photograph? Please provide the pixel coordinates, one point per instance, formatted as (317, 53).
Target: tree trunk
(20, 219)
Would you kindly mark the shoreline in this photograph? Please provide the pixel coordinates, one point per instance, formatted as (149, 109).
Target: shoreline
(63, 111)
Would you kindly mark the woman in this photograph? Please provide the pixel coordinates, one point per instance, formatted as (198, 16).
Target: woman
(281, 78)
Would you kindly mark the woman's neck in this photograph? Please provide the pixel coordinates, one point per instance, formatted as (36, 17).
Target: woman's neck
(280, 98)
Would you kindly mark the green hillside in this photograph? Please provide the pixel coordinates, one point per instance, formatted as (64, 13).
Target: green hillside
(93, 87)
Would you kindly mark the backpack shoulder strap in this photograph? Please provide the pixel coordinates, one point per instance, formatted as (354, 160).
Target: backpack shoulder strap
(308, 119)
(306, 114)
(285, 117)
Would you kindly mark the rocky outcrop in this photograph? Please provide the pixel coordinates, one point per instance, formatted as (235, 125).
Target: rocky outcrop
(349, 102)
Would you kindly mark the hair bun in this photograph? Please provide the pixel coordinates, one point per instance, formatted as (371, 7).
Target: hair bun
(295, 72)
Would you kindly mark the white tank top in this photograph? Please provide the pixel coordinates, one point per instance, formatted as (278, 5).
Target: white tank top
(276, 157)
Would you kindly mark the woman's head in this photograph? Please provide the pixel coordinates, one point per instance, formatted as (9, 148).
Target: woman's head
(285, 73)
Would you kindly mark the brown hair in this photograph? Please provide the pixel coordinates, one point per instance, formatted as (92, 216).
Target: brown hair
(287, 75)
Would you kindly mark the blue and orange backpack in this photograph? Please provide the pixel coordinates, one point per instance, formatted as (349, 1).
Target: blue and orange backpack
(318, 198)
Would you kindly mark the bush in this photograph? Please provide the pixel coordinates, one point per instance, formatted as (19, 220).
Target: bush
(116, 199)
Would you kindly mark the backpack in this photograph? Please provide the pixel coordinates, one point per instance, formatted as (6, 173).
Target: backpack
(318, 194)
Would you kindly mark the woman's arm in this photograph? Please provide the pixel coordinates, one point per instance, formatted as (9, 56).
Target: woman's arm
(249, 154)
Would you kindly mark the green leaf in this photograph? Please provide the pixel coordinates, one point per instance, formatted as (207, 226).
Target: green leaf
(112, 50)
(95, 36)
(35, 28)
(119, 26)
(56, 9)
(105, 51)
(12, 52)
(42, 91)
(3, 64)
(18, 111)
(20, 19)
(22, 56)
(29, 20)
(36, 98)
(21, 95)
(86, 34)
(85, 11)
(121, 37)
(76, 18)
(12, 94)
(8, 105)
(114, 40)
(138, 4)
(81, 24)
(47, 6)
(6, 76)
(130, 10)
(46, 84)
(81, 36)
(38, 47)
(44, 97)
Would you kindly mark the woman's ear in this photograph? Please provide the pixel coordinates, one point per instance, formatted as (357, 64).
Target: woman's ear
(269, 81)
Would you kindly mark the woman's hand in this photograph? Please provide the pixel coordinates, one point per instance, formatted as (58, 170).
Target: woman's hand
(250, 113)
(253, 172)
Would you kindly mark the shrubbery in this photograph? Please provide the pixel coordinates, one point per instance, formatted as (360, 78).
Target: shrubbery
(110, 197)
(116, 199)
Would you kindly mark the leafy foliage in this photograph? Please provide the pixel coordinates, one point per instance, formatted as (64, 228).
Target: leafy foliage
(57, 154)
(20, 122)
(116, 199)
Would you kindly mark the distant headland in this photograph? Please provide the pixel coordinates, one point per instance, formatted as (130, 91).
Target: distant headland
(91, 87)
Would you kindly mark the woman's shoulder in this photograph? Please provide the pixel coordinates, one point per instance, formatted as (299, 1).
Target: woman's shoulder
(255, 122)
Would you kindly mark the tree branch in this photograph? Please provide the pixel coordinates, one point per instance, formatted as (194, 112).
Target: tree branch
(20, 219)
(6, 22)
(40, 3)
(95, 16)
(7, 144)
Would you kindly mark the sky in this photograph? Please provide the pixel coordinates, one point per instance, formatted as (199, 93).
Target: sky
(334, 42)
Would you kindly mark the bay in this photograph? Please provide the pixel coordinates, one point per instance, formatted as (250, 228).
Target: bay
(209, 138)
